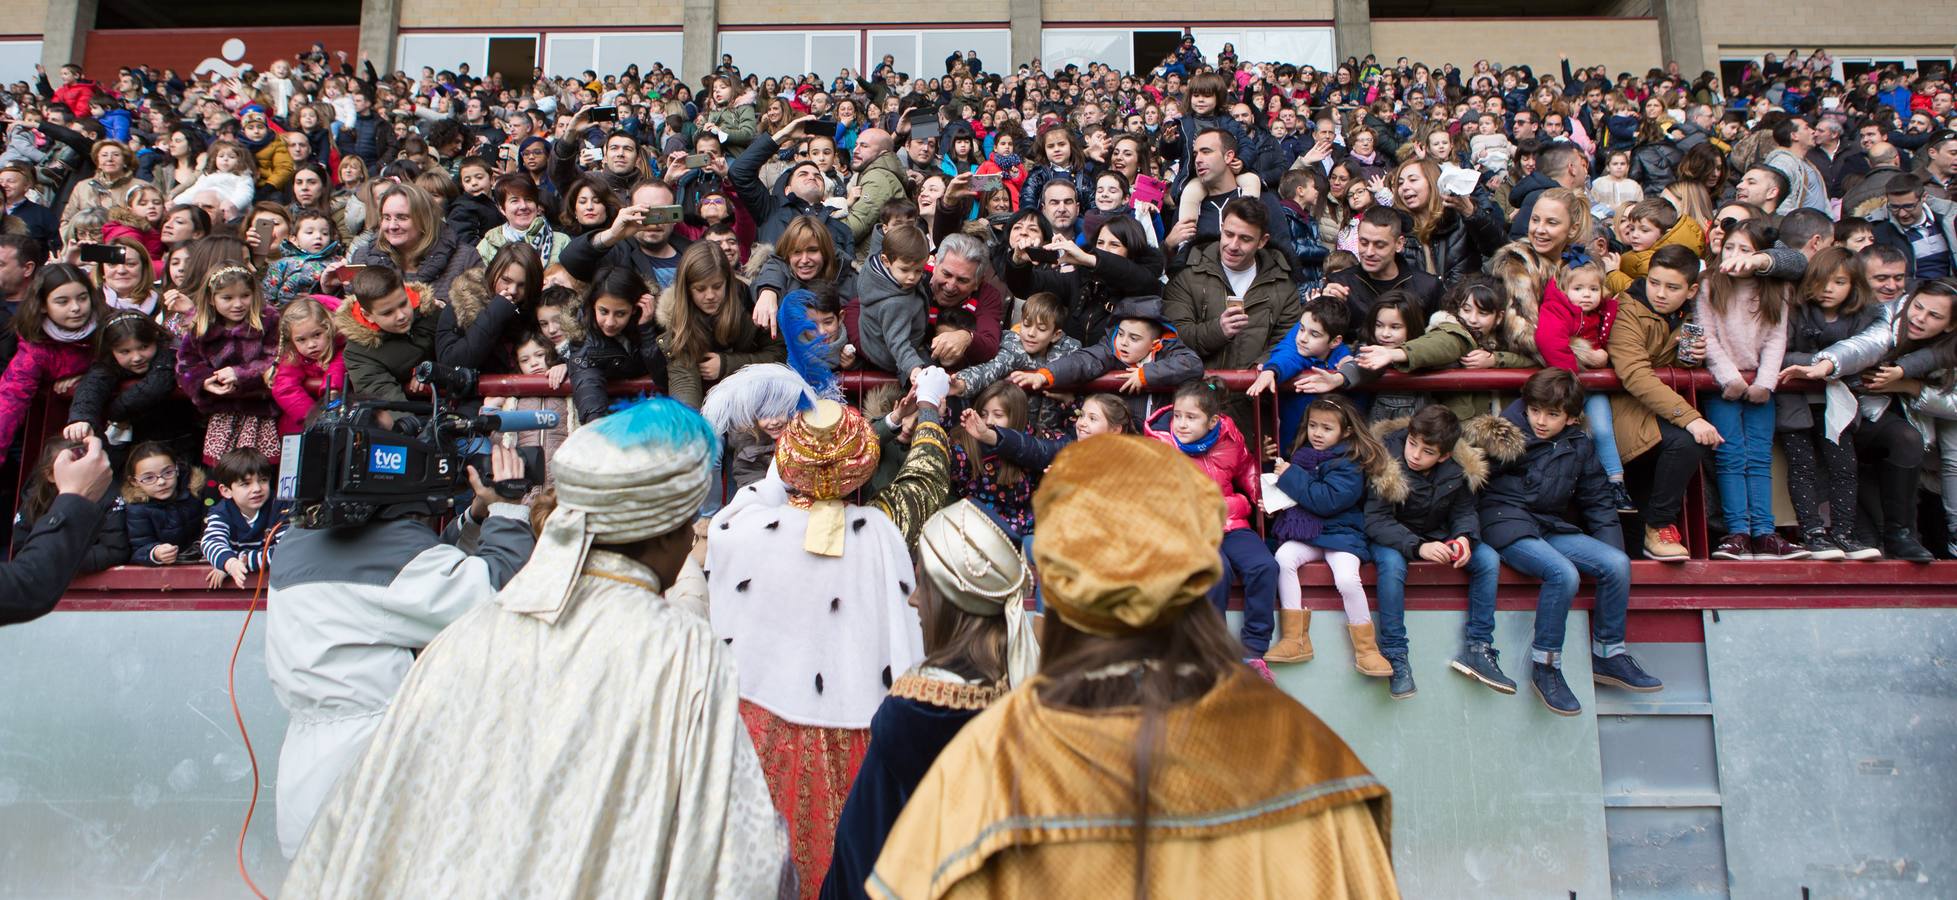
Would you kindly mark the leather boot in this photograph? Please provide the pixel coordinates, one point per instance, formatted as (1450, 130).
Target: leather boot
(1365, 652)
(1294, 637)
(1899, 510)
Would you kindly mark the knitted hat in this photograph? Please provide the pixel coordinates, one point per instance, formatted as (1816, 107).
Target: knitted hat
(1129, 533)
(637, 474)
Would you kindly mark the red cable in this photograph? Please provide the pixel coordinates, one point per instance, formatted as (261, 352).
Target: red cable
(231, 686)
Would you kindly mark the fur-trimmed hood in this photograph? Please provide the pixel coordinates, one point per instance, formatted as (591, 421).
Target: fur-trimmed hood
(1391, 485)
(1511, 264)
(468, 296)
(356, 333)
(1497, 438)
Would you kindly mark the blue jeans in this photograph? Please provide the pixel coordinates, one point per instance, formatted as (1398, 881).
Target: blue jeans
(1559, 560)
(1603, 433)
(1484, 569)
(1246, 557)
(1745, 463)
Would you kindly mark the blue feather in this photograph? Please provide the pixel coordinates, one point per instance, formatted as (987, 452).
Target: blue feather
(808, 351)
(658, 420)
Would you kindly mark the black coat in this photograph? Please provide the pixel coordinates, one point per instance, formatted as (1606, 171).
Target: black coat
(1405, 508)
(151, 407)
(1459, 244)
(598, 360)
(773, 207)
(110, 546)
(178, 520)
(470, 217)
(1654, 166)
(1535, 484)
(47, 558)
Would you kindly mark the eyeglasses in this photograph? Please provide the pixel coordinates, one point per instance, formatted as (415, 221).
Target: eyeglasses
(1903, 209)
(161, 476)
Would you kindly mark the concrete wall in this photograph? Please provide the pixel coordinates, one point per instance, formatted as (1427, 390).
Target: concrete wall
(23, 18)
(1875, 24)
(1623, 44)
(493, 14)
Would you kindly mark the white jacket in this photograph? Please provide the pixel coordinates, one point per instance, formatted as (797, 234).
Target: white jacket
(346, 612)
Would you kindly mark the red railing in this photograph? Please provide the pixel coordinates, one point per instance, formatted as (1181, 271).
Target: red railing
(1698, 584)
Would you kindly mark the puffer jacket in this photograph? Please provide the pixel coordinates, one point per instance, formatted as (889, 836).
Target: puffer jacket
(380, 364)
(478, 329)
(1333, 491)
(1873, 347)
(596, 360)
(1193, 302)
(1228, 462)
(1406, 508)
(1459, 245)
(1535, 482)
(35, 366)
(151, 407)
(1654, 165)
(178, 520)
(446, 260)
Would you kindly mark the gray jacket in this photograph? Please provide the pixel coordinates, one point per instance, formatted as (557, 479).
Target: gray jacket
(893, 325)
(1854, 355)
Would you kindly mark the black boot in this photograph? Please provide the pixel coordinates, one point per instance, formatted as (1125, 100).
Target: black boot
(1899, 515)
(1401, 683)
(1554, 691)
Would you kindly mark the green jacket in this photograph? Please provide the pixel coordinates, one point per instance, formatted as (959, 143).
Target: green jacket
(1442, 346)
(739, 122)
(380, 365)
(882, 181)
(1193, 302)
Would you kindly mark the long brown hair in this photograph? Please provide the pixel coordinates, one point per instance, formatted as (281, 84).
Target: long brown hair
(428, 222)
(806, 231)
(1824, 267)
(1428, 216)
(1718, 285)
(1014, 400)
(688, 335)
(972, 646)
(1180, 659)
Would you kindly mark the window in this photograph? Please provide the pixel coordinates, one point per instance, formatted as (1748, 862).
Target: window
(778, 53)
(922, 54)
(571, 53)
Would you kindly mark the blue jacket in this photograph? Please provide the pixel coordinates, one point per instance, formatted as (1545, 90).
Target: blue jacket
(1288, 363)
(178, 520)
(1335, 492)
(1029, 451)
(1300, 236)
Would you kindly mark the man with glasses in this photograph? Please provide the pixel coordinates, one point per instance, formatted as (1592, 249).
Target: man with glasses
(1924, 228)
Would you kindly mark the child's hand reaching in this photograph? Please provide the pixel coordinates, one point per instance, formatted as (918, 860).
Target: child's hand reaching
(1271, 450)
(1134, 383)
(213, 578)
(1373, 357)
(977, 428)
(235, 567)
(1266, 381)
(77, 431)
(1477, 359)
(1318, 381)
(1280, 466)
(1030, 381)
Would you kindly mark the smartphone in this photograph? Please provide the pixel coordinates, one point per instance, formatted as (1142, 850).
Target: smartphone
(925, 129)
(1236, 303)
(506, 152)
(822, 127)
(104, 253)
(266, 236)
(602, 114)
(1149, 189)
(664, 215)
(699, 160)
(1043, 255)
(988, 181)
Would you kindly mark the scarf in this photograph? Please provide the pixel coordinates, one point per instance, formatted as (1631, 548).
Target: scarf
(65, 335)
(538, 235)
(146, 305)
(1295, 523)
(1202, 444)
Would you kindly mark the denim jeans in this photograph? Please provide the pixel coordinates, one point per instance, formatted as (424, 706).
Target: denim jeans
(1559, 560)
(1603, 433)
(1246, 557)
(1744, 463)
(1484, 569)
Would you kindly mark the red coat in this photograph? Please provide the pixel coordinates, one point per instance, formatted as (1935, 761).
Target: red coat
(1229, 463)
(37, 364)
(1559, 321)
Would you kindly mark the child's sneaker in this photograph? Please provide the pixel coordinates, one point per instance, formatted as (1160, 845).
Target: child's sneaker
(1263, 671)
(1734, 546)
(1822, 547)
(1554, 691)
(1622, 497)
(1854, 549)
(1401, 686)
(1773, 546)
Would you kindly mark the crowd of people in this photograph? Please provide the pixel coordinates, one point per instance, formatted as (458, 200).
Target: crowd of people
(198, 263)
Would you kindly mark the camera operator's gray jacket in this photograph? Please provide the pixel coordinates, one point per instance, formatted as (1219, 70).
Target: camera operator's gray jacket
(348, 610)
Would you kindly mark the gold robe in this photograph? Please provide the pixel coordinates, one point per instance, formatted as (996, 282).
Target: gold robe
(1252, 796)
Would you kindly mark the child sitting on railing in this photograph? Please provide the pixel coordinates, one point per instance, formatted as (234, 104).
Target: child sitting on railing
(1573, 332)
(1028, 347)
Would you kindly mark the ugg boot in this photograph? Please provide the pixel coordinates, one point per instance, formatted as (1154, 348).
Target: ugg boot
(1294, 637)
(1365, 652)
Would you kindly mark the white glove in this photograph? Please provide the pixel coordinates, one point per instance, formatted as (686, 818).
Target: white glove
(933, 385)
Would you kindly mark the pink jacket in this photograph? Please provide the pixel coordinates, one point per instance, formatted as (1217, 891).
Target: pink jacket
(289, 385)
(36, 365)
(1741, 339)
(1229, 463)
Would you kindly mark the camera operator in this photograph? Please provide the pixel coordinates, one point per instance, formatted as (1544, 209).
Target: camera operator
(348, 610)
(34, 581)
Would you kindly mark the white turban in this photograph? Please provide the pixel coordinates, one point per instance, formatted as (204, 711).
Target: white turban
(637, 474)
(973, 564)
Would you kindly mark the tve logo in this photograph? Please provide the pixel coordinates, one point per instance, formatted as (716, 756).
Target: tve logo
(388, 460)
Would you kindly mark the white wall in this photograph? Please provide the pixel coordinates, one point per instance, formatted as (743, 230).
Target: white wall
(778, 53)
(17, 59)
(1081, 46)
(570, 53)
(1298, 46)
(921, 53)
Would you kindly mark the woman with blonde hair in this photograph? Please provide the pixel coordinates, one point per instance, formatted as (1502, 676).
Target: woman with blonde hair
(1559, 227)
(803, 258)
(411, 239)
